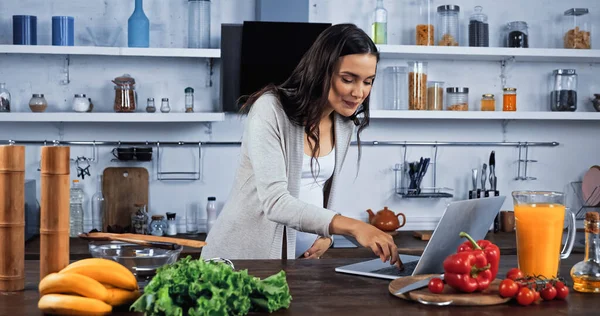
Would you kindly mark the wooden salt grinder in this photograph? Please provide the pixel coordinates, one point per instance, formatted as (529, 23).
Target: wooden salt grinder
(54, 213)
(12, 218)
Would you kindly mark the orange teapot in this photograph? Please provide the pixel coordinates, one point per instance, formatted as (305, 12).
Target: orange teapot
(386, 220)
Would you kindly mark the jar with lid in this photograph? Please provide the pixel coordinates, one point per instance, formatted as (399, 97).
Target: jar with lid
(488, 103)
(577, 29)
(4, 98)
(189, 100)
(211, 213)
(125, 95)
(447, 25)
(172, 224)
(150, 108)
(563, 96)
(424, 32)
(164, 106)
(158, 225)
(395, 87)
(517, 34)
(509, 100)
(435, 95)
(417, 85)
(479, 33)
(457, 99)
(198, 23)
(38, 103)
(81, 103)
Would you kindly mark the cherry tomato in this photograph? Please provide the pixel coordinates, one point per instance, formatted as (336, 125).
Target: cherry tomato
(436, 285)
(525, 296)
(514, 274)
(559, 284)
(562, 292)
(508, 288)
(536, 295)
(548, 293)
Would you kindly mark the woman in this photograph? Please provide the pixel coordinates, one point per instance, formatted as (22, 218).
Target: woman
(297, 134)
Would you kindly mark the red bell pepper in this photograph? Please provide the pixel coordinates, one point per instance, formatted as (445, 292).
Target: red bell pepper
(467, 271)
(492, 252)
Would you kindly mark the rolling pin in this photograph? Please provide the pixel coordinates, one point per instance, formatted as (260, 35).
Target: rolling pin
(149, 238)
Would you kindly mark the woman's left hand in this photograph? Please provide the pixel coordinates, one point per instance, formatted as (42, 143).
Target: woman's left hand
(318, 248)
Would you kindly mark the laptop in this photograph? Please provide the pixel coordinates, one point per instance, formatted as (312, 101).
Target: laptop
(471, 216)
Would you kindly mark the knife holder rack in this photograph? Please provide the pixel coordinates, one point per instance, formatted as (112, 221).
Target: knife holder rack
(402, 178)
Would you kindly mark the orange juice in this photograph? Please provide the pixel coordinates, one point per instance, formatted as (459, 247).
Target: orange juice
(539, 237)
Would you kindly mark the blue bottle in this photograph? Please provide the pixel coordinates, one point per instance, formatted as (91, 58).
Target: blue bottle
(138, 27)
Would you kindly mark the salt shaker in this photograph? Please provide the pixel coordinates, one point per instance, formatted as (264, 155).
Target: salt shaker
(211, 213)
(164, 107)
(172, 224)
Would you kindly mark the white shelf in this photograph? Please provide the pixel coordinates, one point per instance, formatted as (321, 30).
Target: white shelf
(108, 117)
(481, 115)
(111, 51)
(489, 53)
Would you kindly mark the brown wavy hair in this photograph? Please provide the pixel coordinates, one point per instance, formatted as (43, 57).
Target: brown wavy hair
(304, 95)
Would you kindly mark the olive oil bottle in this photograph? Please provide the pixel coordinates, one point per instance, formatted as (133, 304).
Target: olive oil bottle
(379, 26)
(586, 274)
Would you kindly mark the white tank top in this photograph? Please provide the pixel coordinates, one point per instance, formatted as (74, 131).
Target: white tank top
(311, 191)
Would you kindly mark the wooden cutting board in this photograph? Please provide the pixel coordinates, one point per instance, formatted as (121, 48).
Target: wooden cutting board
(488, 297)
(423, 234)
(123, 187)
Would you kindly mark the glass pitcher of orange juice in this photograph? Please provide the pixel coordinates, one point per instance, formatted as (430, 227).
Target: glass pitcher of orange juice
(539, 219)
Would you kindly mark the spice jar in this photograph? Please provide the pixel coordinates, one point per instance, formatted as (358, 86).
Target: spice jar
(172, 224)
(425, 31)
(150, 108)
(435, 95)
(189, 100)
(564, 90)
(125, 96)
(81, 103)
(38, 103)
(417, 85)
(457, 99)
(479, 34)
(4, 98)
(517, 34)
(164, 106)
(509, 100)
(158, 225)
(577, 29)
(448, 30)
(488, 103)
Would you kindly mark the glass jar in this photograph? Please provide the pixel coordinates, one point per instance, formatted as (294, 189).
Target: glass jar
(517, 34)
(435, 95)
(488, 103)
(4, 98)
(479, 30)
(158, 225)
(448, 30)
(417, 85)
(81, 103)
(125, 96)
(172, 224)
(198, 23)
(563, 96)
(189, 100)
(395, 88)
(38, 103)
(509, 100)
(164, 106)
(139, 220)
(150, 107)
(577, 29)
(457, 99)
(424, 32)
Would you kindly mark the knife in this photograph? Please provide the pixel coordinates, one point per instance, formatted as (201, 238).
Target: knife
(483, 180)
(493, 183)
(417, 285)
(473, 193)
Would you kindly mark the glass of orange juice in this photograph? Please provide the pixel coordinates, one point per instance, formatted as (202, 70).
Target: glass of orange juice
(539, 219)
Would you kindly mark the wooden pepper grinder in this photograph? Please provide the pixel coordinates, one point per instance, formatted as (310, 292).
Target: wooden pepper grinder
(54, 213)
(12, 218)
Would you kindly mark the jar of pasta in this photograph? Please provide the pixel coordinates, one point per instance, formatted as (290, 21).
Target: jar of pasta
(457, 99)
(488, 103)
(509, 101)
(577, 29)
(448, 25)
(425, 31)
(417, 85)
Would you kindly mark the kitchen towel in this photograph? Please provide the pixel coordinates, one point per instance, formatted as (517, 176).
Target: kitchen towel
(24, 30)
(63, 31)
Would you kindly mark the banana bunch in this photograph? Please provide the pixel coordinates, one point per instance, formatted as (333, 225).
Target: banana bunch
(87, 287)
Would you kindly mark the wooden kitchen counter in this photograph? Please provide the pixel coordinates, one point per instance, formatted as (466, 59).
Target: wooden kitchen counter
(318, 290)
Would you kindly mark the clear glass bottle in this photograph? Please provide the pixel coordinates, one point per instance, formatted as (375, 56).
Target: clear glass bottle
(198, 23)
(379, 24)
(586, 274)
(211, 213)
(4, 98)
(98, 206)
(479, 30)
(577, 29)
(158, 225)
(435, 95)
(171, 224)
(76, 209)
(417, 85)
(164, 106)
(488, 103)
(563, 96)
(457, 99)
(509, 99)
(424, 32)
(189, 100)
(150, 107)
(447, 25)
(517, 34)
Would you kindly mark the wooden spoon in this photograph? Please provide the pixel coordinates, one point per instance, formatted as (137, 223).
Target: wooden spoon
(148, 239)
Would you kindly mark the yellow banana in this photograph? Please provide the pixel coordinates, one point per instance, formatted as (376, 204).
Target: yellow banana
(107, 286)
(61, 304)
(117, 297)
(104, 271)
(72, 283)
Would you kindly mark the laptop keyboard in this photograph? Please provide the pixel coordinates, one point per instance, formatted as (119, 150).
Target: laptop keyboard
(409, 267)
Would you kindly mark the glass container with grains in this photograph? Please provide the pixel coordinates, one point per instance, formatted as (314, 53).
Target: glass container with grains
(417, 85)
(425, 29)
(457, 99)
(435, 95)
